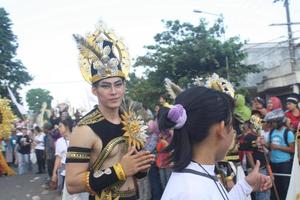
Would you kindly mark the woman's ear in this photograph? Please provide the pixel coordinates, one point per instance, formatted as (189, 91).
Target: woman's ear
(220, 127)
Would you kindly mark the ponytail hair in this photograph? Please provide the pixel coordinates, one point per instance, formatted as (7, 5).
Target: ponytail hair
(203, 108)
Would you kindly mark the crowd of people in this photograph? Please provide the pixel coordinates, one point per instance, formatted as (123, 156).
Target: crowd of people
(40, 150)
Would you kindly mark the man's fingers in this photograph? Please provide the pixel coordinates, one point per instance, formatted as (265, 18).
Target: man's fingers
(144, 167)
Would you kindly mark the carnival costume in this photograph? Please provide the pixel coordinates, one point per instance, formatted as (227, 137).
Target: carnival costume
(103, 55)
(6, 125)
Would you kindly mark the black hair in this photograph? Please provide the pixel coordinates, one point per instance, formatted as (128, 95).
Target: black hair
(68, 122)
(37, 129)
(204, 108)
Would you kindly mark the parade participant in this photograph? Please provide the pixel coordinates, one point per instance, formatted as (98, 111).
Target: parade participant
(293, 112)
(104, 158)
(202, 121)
(241, 112)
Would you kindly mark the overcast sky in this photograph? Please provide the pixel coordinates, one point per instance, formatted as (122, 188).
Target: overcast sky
(44, 29)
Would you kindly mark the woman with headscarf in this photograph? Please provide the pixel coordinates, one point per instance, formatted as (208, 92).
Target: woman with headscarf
(273, 104)
(241, 111)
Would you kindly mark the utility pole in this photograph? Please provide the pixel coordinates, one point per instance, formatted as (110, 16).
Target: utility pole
(289, 24)
(290, 34)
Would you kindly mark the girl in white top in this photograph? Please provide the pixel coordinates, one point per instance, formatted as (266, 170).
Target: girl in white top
(39, 143)
(202, 121)
(61, 148)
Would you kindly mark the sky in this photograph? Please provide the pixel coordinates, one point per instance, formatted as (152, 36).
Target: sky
(44, 30)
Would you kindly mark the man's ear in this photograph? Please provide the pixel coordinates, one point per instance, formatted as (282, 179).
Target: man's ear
(220, 129)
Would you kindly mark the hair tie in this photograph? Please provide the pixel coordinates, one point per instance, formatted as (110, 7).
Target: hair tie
(177, 114)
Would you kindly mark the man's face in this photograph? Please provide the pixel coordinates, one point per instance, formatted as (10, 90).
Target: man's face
(110, 92)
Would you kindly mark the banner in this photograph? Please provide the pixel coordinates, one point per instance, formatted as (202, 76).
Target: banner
(20, 107)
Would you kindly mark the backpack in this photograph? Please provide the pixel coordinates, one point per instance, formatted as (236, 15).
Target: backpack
(285, 137)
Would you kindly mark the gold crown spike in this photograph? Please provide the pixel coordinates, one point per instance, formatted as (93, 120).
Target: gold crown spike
(102, 55)
(220, 84)
(134, 126)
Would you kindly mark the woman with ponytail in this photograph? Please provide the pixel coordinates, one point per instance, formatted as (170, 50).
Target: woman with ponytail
(202, 122)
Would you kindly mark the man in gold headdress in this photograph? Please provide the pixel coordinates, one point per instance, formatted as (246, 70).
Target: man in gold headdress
(103, 156)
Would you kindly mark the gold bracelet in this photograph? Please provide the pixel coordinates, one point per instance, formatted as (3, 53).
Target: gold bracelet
(120, 172)
(86, 183)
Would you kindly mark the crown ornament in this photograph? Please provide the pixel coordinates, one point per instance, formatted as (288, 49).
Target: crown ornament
(102, 55)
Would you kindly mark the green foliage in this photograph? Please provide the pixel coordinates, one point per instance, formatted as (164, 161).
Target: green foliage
(184, 51)
(12, 71)
(36, 97)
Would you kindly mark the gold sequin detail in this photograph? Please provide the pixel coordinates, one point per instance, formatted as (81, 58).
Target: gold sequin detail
(92, 118)
(78, 155)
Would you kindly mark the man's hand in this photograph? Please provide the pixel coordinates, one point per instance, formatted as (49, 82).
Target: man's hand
(258, 181)
(134, 161)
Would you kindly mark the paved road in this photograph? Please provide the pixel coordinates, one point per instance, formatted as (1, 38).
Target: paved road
(26, 187)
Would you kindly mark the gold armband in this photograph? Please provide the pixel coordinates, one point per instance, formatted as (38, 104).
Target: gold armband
(119, 172)
(86, 183)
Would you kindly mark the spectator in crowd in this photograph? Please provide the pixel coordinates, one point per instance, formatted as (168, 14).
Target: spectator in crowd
(259, 105)
(281, 144)
(163, 100)
(253, 153)
(273, 104)
(292, 113)
(58, 175)
(153, 175)
(49, 148)
(23, 148)
(39, 146)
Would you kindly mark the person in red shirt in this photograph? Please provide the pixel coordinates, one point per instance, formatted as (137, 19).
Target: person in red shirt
(292, 113)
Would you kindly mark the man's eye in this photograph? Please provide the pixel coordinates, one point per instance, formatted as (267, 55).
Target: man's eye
(105, 86)
(118, 84)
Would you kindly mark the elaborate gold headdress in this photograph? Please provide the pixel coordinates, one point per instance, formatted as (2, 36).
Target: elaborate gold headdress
(220, 84)
(102, 55)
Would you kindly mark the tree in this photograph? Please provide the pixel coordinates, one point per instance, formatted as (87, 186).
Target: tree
(36, 97)
(185, 51)
(12, 71)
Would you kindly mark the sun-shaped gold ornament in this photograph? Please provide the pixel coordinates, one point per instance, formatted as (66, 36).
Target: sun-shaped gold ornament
(6, 119)
(135, 129)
